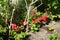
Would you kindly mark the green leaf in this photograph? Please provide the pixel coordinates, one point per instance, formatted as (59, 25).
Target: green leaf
(58, 15)
(2, 29)
(1, 38)
(0, 1)
(58, 36)
(35, 28)
(38, 13)
(55, 7)
(52, 37)
(5, 0)
(54, 3)
(33, 25)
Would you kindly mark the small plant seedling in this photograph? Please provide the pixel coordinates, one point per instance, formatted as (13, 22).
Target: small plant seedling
(53, 37)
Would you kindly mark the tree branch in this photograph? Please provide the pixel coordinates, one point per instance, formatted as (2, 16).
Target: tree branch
(38, 5)
(33, 2)
(26, 8)
(26, 4)
(28, 12)
(12, 16)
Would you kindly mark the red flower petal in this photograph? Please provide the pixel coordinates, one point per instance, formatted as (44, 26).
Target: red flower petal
(17, 28)
(33, 18)
(13, 26)
(39, 18)
(35, 21)
(44, 17)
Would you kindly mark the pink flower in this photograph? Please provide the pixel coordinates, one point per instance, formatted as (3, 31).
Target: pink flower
(13, 26)
(25, 23)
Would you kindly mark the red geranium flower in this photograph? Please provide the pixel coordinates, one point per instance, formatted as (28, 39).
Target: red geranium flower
(33, 18)
(21, 22)
(25, 23)
(17, 28)
(33, 12)
(35, 21)
(39, 18)
(13, 26)
(44, 17)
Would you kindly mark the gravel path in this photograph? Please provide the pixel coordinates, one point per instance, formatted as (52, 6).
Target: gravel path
(43, 34)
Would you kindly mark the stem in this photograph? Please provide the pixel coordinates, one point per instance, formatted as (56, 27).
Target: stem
(12, 16)
(26, 5)
(26, 8)
(28, 12)
(33, 2)
(38, 5)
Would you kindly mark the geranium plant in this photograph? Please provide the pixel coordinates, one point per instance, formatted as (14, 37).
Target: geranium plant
(18, 18)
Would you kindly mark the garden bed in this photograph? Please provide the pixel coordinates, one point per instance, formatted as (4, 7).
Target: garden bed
(43, 33)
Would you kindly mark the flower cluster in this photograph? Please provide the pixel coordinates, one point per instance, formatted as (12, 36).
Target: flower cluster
(23, 22)
(15, 27)
(42, 18)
